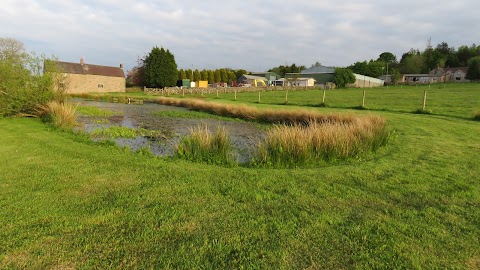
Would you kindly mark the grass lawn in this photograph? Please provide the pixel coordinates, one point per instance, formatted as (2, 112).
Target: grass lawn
(70, 203)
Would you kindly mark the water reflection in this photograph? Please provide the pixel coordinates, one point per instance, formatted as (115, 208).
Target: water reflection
(244, 135)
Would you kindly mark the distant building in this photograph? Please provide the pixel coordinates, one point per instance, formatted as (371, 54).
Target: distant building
(362, 81)
(270, 76)
(85, 78)
(252, 80)
(438, 75)
(301, 82)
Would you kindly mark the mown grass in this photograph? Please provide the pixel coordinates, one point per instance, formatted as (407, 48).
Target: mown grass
(315, 143)
(69, 203)
(203, 145)
(415, 204)
(455, 99)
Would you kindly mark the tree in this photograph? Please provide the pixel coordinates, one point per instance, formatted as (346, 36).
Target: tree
(211, 76)
(183, 75)
(412, 64)
(217, 76)
(196, 75)
(160, 68)
(317, 64)
(387, 57)
(343, 76)
(231, 76)
(26, 80)
(204, 75)
(189, 74)
(395, 74)
(11, 48)
(473, 72)
(240, 72)
(223, 75)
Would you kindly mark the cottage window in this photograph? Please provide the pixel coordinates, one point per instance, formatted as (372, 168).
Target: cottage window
(458, 78)
(100, 85)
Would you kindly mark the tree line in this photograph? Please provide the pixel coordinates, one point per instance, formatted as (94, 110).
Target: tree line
(422, 62)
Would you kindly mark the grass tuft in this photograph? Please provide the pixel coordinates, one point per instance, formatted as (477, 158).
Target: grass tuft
(60, 114)
(477, 116)
(202, 145)
(422, 111)
(313, 143)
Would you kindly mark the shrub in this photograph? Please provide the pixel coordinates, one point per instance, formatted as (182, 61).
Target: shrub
(62, 115)
(204, 146)
(314, 142)
(24, 85)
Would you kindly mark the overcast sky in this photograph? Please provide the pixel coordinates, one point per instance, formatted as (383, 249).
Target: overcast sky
(255, 35)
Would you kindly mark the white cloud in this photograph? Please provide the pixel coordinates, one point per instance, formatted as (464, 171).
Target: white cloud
(246, 34)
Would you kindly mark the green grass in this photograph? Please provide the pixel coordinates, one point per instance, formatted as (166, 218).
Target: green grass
(114, 132)
(70, 203)
(94, 111)
(455, 99)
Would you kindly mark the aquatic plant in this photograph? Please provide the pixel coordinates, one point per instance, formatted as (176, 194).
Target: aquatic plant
(316, 142)
(202, 145)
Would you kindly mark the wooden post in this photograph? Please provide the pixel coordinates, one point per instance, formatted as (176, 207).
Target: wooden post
(286, 96)
(235, 93)
(363, 99)
(217, 92)
(323, 99)
(424, 100)
(259, 96)
(183, 92)
(202, 91)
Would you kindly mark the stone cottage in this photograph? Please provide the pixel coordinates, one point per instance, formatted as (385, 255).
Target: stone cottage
(85, 78)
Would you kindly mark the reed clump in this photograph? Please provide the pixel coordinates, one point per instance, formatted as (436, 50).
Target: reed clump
(60, 114)
(317, 142)
(203, 145)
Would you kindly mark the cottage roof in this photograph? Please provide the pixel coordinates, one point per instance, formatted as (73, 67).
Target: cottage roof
(453, 70)
(88, 69)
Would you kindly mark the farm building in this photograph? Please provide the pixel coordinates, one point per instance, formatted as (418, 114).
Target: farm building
(252, 80)
(295, 82)
(270, 76)
(362, 81)
(422, 78)
(457, 74)
(84, 78)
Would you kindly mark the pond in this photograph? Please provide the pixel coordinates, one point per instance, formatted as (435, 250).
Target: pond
(244, 135)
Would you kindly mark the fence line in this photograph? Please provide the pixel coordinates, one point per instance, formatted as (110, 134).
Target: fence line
(179, 90)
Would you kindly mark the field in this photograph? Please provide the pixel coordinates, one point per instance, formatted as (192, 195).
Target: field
(70, 203)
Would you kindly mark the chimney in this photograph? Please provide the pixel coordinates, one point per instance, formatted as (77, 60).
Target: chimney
(121, 66)
(82, 61)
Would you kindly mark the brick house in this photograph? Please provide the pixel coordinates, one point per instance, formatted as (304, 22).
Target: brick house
(85, 78)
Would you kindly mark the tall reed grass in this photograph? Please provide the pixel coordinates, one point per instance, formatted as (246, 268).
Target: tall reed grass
(255, 114)
(60, 114)
(203, 145)
(317, 142)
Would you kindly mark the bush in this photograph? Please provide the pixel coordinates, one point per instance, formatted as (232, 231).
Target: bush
(24, 86)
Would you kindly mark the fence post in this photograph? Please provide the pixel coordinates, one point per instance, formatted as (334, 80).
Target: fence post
(286, 96)
(259, 96)
(424, 100)
(363, 99)
(323, 99)
(235, 93)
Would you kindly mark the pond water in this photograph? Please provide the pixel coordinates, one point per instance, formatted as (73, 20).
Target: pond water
(244, 135)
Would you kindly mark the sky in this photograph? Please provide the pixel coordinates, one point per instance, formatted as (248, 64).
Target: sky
(248, 34)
